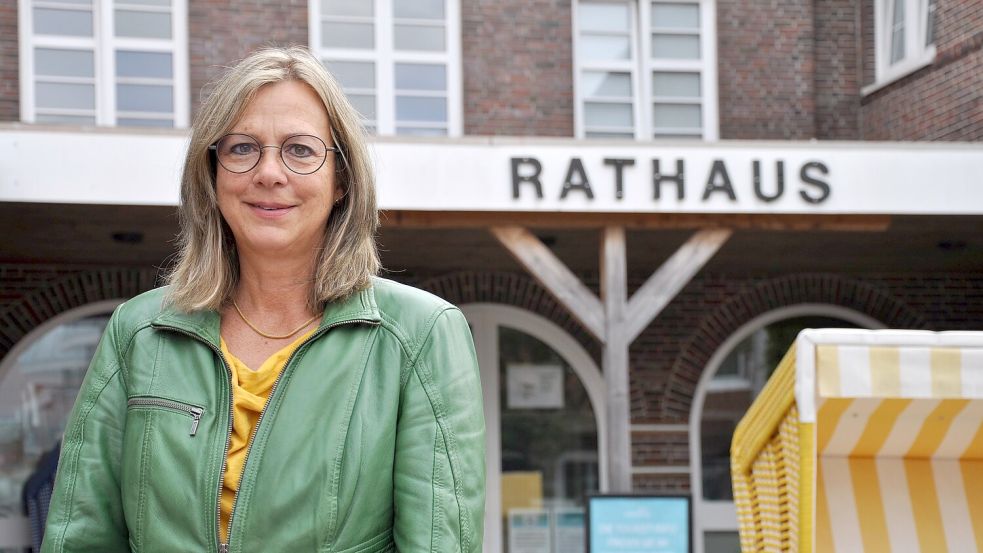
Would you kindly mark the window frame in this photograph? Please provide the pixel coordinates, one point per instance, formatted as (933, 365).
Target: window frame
(384, 56)
(641, 67)
(104, 45)
(917, 54)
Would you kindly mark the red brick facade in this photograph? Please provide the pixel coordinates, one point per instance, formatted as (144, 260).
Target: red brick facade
(837, 79)
(788, 69)
(766, 69)
(943, 101)
(223, 31)
(518, 67)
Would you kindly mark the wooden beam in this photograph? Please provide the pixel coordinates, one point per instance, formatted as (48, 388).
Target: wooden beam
(546, 268)
(484, 219)
(614, 293)
(660, 288)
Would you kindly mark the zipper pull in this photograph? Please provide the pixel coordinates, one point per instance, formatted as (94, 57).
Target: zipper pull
(196, 413)
(223, 548)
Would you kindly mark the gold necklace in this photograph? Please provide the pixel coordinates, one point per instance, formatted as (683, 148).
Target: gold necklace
(272, 336)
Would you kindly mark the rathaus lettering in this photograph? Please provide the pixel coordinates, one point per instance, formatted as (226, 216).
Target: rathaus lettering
(676, 179)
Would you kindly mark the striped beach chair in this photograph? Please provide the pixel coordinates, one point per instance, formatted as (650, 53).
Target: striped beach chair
(865, 441)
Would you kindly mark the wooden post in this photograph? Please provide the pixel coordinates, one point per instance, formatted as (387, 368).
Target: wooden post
(614, 320)
(614, 293)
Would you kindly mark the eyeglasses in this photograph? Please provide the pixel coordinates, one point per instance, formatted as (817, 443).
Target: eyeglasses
(301, 153)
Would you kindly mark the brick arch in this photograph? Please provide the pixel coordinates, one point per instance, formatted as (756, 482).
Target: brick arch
(518, 290)
(768, 295)
(25, 312)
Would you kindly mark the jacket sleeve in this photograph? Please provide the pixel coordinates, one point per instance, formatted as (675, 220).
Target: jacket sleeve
(439, 473)
(86, 512)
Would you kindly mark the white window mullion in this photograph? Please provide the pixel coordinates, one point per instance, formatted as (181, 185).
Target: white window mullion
(419, 57)
(144, 44)
(180, 67)
(385, 69)
(314, 28)
(340, 54)
(105, 63)
(642, 70)
(625, 66)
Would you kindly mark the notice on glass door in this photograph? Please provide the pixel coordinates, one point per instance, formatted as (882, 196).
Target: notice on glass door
(534, 386)
(568, 530)
(529, 531)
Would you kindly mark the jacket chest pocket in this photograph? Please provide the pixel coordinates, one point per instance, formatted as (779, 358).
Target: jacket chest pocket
(165, 468)
(193, 412)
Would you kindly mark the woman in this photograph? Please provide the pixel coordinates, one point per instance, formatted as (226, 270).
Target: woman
(276, 396)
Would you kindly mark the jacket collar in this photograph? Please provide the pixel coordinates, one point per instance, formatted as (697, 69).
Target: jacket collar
(358, 307)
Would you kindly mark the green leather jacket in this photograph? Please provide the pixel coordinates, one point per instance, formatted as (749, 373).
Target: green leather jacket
(372, 439)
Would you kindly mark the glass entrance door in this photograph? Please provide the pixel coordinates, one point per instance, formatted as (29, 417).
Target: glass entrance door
(543, 439)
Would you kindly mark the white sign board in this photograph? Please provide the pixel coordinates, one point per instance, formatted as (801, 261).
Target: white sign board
(534, 386)
(115, 166)
(569, 530)
(529, 531)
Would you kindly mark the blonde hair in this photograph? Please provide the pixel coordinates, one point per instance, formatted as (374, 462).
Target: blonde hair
(206, 271)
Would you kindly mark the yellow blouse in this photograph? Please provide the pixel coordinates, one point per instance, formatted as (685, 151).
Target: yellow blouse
(250, 390)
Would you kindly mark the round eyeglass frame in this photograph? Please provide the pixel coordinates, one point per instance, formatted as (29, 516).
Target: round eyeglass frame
(214, 147)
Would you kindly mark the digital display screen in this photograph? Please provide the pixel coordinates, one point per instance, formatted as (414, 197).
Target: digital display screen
(638, 524)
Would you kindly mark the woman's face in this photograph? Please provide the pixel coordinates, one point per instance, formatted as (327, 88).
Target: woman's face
(271, 209)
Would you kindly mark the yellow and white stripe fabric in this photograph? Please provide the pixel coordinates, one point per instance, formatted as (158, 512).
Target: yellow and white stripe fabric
(900, 444)
(891, 440)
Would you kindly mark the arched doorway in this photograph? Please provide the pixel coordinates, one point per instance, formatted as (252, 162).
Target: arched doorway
(736, 372)
(39, 379)
(545, 432)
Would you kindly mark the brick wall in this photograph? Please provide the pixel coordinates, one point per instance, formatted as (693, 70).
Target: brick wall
(518, 67)
(837, 82)
(9, 64)
(221, 32)
(766, 69)
(32, 294)
(943, 101)
(868, 59)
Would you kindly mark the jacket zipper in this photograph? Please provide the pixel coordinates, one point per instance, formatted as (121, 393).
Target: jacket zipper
(193, 410)
(224, 547)
(262, 415)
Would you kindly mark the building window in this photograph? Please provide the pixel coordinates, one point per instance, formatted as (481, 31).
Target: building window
(104, 62)
(646, 69)
(398, 61)
(904, 35)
